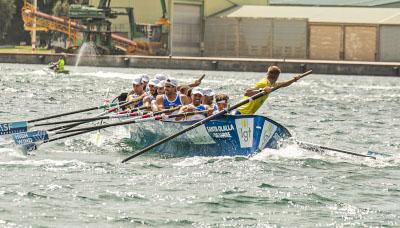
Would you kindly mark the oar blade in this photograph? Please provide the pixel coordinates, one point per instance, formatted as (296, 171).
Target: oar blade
(25, 138)
(13, 127)
(378, 154)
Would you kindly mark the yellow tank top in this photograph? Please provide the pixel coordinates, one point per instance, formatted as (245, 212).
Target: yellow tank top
(251, 107)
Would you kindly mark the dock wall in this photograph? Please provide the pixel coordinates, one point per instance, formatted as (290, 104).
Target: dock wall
(217, 64)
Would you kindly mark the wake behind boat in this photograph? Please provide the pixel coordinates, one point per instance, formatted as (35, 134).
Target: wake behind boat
(228, 135)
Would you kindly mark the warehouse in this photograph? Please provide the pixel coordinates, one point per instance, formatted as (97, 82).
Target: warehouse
(327, 33)
(336, 3)
(186, 16)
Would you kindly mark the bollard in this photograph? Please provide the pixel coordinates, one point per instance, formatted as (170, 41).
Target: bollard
(303, 67)
(214, 64)
(396, 70)
(126, 61)
(41, 58)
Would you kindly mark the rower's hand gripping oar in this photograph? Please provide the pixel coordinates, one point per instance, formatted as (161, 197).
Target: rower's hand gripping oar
(203, 121)
(22, 126)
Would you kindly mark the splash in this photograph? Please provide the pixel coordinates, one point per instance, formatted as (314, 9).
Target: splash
(87, 49)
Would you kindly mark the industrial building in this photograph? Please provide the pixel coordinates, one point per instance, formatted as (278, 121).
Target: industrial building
(228, 28)
(187, 19)
(326, 33)
(337, 3)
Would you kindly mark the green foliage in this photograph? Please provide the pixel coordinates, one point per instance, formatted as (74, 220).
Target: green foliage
(7, 11)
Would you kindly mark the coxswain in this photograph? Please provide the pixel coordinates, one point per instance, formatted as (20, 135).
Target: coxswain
(266, 84)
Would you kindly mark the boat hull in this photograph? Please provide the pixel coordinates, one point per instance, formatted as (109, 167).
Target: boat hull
(225, 136)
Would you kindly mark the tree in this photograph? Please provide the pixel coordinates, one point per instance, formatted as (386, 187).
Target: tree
(7, 11)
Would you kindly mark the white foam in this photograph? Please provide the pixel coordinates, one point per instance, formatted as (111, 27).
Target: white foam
(292, 151)
(193, 161)
(45, 162)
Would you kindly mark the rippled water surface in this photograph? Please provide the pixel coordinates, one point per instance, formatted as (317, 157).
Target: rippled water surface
(79, 182)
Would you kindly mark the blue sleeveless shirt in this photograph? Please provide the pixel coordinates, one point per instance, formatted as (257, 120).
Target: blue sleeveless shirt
(171, 104)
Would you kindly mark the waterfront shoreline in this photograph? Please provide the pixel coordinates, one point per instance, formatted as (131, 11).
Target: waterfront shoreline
(213, 63)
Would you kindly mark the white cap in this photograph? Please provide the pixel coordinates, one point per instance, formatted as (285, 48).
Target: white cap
(172, 82)
(208, 92)
(145, 78)
(161, 84)
(137, 81)
(197, 90)
(154, 82)
(160, 77)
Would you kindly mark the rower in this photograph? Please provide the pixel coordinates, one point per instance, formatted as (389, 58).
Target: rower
(160, 87)
(171, 98)
(208, 97)
(137, 92)
(222, 102)
(150, 99)
(145, 81)
(160, 77)
(196, 105)
(266, 84)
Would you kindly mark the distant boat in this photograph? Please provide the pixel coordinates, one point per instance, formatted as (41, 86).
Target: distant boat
(228, 135)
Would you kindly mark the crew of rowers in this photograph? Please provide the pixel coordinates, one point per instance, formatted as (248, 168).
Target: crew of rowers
(164, 93)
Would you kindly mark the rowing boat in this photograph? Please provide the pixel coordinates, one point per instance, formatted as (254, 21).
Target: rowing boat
(228, 135)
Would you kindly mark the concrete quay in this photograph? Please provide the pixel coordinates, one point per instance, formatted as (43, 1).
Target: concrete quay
(214, 63)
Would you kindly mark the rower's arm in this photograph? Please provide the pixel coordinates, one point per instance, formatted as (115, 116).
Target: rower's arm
(252, 91)
(159, 102)
(147, 102)
(185, 99)
(288, 82)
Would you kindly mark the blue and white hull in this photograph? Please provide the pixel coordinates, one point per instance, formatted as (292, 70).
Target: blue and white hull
(226, 136)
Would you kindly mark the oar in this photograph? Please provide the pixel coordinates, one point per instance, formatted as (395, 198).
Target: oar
(69, 126)
(203, 121)
(311, 146)
(130, 113)
(41, 136)
(22, 126)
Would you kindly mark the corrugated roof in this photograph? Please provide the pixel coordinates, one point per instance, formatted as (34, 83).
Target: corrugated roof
(333, 2)
(319, 14)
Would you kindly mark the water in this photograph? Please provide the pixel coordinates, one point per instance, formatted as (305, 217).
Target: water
(76, 183)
